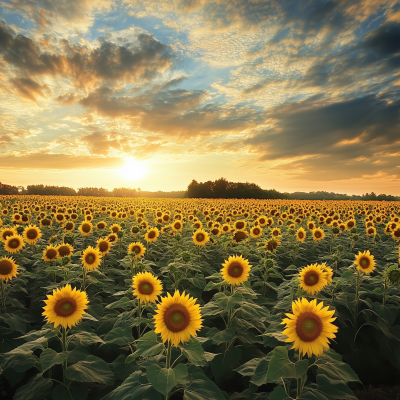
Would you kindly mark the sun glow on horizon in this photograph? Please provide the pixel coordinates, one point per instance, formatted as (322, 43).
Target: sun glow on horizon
(133, 170)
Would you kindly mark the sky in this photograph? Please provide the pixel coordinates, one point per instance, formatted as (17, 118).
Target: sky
(292, 96)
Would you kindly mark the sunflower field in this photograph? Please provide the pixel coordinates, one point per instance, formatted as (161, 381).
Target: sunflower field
(196, 299)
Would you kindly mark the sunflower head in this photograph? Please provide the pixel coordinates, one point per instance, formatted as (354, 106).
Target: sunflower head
(103, 245)
(177, 318)
(137, 249)
(239, 236)
(115, 228)
(64, 250)
(32, 234)
(91, 258)
(6, 232)
(69, 226)
(394, 276)
(240, 225)
(112, 237)
(8, 269)
(312, 279)
(200, 237)
(365, 262)
(146, 287)
(301, 235)
(65, 307)
(309, 327)
(101, 225)
(50, 253)
(318, 234)
(236, 270)
(85, 228)
(272, 244)
(14, 243)
(256, 232)
(177, 226)
(151, 235)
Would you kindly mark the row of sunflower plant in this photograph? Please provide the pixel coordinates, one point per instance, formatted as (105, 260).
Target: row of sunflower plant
(200, 299)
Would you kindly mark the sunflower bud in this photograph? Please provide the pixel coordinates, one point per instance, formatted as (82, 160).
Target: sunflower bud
(353, 230)
(269, 263)
(377, 238)
(335, 230)
(69, 239)
(394, 276)
(53, 239)
(135, 229)
(186, 257)
(120, 234)
(340, 247)
(178, 237)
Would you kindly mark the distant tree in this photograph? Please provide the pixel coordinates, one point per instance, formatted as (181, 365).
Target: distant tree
(8, 189)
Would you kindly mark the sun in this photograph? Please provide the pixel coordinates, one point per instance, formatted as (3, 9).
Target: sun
(133, 169)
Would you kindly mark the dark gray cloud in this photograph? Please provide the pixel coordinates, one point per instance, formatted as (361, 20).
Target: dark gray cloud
(29, 89)
(138, 61)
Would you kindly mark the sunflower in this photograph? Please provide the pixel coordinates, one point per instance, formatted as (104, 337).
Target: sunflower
(104, 246)
(275, 232)
(91, 258)
(311, 225)
(6, 232)
(69, 226)
(115, 228)
(309, 327)
(371, 231)
(215, 231)
(165, 228)
(151, 235)
(226, 228)
(351, 223)
(365, 262)
(136, 248)
(50, 253)
(328, 273)
(60, 218)
(301, 235)
(177, 318)
(177, 226)
(45, 222)
(318, 234)
(238, 236)
(32, 234)
(8, 268)
(200, 237)
(272, 244)
(240, 225)
(16, 218)
(65, 307)
(262, 221)
(256, 232)
(85, 228)
(394, 276)
(112, 237)
(146, 287)
(236, 270)
(14, 243)
(64, 250)
(101, 225)
(396, 233)
(312, 279)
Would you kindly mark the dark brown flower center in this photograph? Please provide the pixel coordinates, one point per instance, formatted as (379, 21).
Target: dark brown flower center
(115, 229)
(86, 228)
(103, 246)
(239, 225)
(90, 258)
(317, 234)
(65, 307)
(6, 234)
(145, 287)
(5, 267)
(32, 234)
(300, 235)
(200, 237)
(112, 238)
(64, 251)
(60, 217)
(256, 231)
(100, 225)
(364, 262)
(14, 243)
(176, 318)
(396, 233)
(239, 236)
(235, 270)
(151, 235)
(51, 254)
(69, 226)
(308, 327)
(311, 278)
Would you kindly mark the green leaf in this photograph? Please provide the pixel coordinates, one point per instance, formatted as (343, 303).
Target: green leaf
(227, 302)
(122, 369)
(223, 365)
(193, 351)
(62, 392)
(249, 368)
(210, 309)
(334, 389)
(199, 281)
(281, 367)
(279, 394)
(37, 388)
(15, 321)
(93, 369)
(125, 302)
(134, 387)
(162, 379)
(84, 338)
(19, 362)
(89, 317)
(312, 394)
(148, 345)
(49, 357)
(180, 373)
(219, 337)
(329, 365)
(260, 374)
(119, 336)
(199, 387)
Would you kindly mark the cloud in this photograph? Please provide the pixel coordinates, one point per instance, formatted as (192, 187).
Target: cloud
(140, 60)
(29, 89)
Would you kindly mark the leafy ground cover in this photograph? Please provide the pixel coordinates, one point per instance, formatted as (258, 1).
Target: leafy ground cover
(197, 299)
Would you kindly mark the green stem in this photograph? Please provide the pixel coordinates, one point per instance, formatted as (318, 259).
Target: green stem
(64, 348)
(299, 381)
(3, 299)
(356, 299)
(169, 350)
(84, 279)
